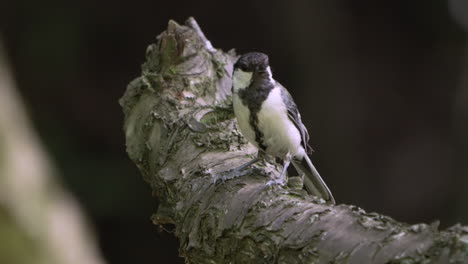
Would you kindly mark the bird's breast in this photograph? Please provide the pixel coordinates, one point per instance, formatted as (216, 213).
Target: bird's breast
(280, 135)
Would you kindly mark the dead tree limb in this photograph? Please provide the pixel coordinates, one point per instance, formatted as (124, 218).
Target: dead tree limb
(181, 133)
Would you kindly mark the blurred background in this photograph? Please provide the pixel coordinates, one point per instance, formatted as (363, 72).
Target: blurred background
(382, 87)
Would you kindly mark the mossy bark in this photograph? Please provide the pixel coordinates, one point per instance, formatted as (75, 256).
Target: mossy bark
(181, 133)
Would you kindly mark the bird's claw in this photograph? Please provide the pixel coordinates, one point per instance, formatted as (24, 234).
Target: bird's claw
(278, 182)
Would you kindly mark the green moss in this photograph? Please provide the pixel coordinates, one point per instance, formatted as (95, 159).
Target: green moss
(172, 70)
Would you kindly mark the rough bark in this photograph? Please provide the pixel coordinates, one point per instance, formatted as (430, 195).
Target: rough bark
(181, 133)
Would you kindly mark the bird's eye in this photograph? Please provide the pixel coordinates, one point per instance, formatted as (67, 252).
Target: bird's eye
(243, 67)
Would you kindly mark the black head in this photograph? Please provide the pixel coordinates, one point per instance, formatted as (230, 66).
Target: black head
(253, 61)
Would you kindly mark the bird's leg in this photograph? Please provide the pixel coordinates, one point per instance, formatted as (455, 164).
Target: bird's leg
(239, 171)
(248, 164)
(286, 163)
(260, 156)
(296, 181)
(282, 178)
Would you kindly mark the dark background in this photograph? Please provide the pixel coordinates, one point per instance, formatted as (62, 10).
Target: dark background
(381, 86)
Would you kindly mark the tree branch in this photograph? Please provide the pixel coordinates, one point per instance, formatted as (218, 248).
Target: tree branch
(181, 133)
(40, 221)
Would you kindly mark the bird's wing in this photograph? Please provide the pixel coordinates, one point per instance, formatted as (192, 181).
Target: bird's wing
(295, 117)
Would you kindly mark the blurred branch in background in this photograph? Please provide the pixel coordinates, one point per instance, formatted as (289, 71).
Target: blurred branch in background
(39, 221)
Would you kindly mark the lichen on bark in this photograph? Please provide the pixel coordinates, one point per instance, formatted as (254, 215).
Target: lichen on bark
(181, 133)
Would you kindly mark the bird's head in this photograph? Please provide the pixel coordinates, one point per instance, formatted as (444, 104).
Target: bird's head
(247, 66)
(251, 62)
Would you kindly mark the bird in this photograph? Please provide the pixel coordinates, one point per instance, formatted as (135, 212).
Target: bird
(268, 117)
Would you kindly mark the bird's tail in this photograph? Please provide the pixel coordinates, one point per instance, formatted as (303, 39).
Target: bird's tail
(313, 183)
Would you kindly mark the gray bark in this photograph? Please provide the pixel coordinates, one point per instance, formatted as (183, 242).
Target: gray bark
(181, 133)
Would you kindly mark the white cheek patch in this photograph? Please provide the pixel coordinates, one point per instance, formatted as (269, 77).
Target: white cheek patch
(241, 79)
